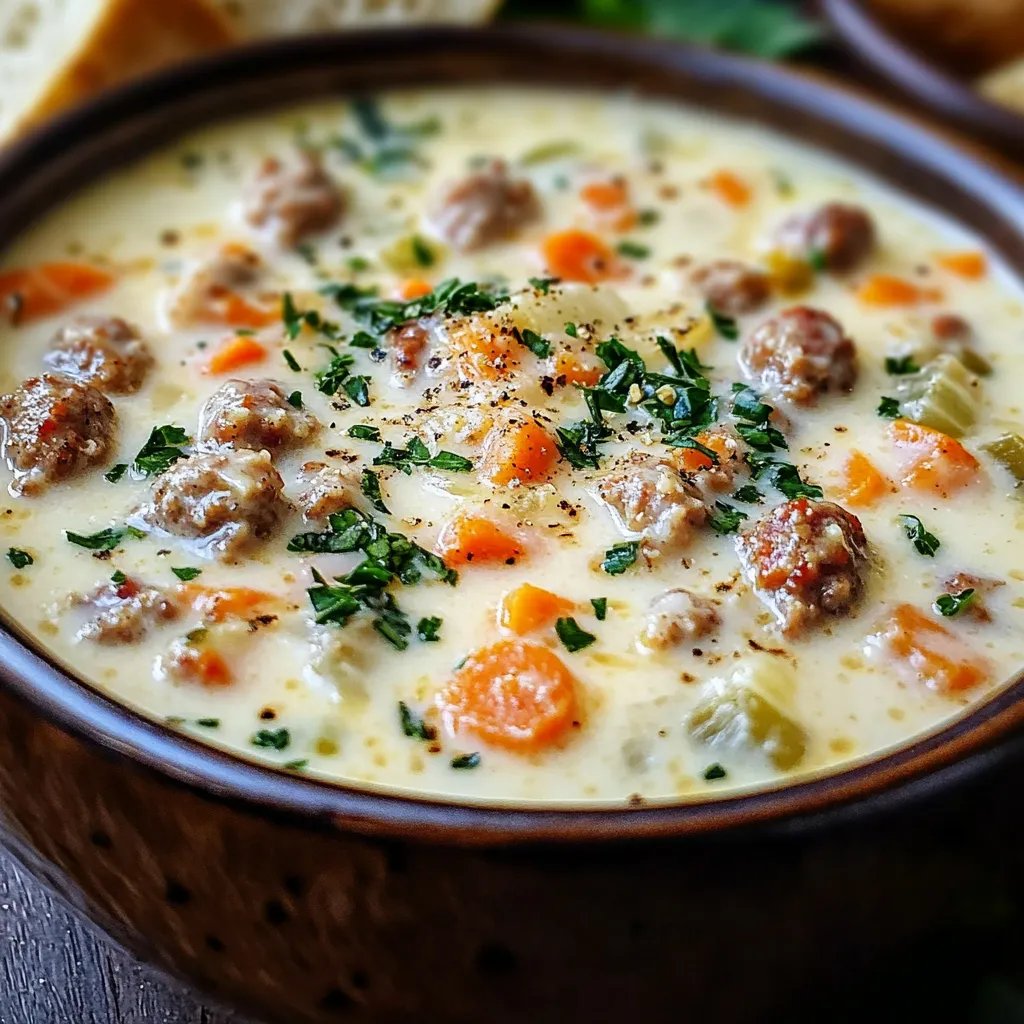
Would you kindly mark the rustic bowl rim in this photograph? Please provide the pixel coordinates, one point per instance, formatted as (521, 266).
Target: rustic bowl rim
(946, 95)
(987, 735)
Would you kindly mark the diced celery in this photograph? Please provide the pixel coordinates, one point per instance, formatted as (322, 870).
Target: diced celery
(943, 396)
(412, 254)
(1008, 451)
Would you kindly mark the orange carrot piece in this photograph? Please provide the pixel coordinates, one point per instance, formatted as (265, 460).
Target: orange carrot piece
(970, 264)
(576, 370)
(216, 604)
(575, 255)
(234, 353)
(933, 655)
(210, 668)
(414, 288)
(863, 483)
(528, 608)
(885, 290)
(472, 537)
(34, 292)
(238, 312)
(730, 188)
(511, 694)
(933, 461)
(482, 353)
(690, 460)
(610, 202)
(521, 450)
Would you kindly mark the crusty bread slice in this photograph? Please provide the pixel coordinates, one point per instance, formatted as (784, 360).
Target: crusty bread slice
(54, 53)
(255, 18)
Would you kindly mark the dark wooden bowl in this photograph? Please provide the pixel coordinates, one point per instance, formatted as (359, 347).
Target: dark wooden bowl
(306, 902)
(933, 80)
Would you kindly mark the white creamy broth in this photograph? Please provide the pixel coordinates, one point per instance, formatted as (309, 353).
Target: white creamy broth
(680, 188)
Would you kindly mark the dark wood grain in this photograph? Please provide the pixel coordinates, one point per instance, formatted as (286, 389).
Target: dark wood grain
(56, 970)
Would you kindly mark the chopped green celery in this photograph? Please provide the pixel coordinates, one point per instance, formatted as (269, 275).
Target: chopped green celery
(549, 151)
(943, 395)
(412, 255)
(1008, 451)
(739, 717)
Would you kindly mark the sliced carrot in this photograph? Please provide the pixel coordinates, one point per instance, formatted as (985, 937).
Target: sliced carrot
(528, 608)
(932, 654)
(236, 311)
(34, 292)
(238, 351)
(520, 450)
(511, 694)
(575, 255)
(610, 201)
(210, 668)
(474, 537)
(863, 483)
(482, 352)
(690, 460)
(886, 290)
(970, 264)
(932, 460)
(730, 188)
(576, 370)
(414, 288)
(216, 604)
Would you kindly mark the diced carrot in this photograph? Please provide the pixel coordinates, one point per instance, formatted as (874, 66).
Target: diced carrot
(863, 483)
(970, 264)
(576, 369)
(528, 608)
(483, 352)
(730, 188)
(414, 288)
(34, 292)
(511, 694)
(238, 351)
(575, 255)
(690, 460)
(474, 537)
(519, 450)
(934, 656)
(236, 311)
(932, 460)
(210, 668)
(610, 201)
(216, 604)
(886, 290)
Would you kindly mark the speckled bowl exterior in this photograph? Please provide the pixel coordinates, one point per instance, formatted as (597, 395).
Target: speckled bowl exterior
(299, 901)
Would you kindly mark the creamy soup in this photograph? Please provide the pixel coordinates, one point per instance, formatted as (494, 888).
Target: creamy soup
(515, 445)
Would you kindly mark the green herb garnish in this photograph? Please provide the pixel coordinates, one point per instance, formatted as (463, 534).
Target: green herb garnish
(104, 540)
(725, 519)
(369, 484)
(926, 543)
(358, 389)
(889, 408)
(18, 558)
(413, 725)
(533, 341)
(115, 473)
(466, 761)
(725, 325)
(428, 629)
(362, 432)
(572, 330)
(416, 453)
(187, 572)
(600, 605)
(295, 399)
(951, 605)
(713, 772)
(161, 450)
(783, 475)
(633, 250)
(748, 493)
(619, 557)
(291, 361)
(902, 365)
(272, 739)
(573, 636)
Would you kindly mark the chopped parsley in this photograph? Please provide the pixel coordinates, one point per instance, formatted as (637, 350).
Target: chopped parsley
(600, 605)
(416, 453)
(755, 415)
(748, 493)
(292, 362)
(542, 284)
(18, 558)
(295, 399)
(413, 725)
(572, 330)
(902, 365)
(384, 149)
(818, 260)
(116, 472)
(272, 739)
(369, 484)
(329, 379)
(726, 326)
(783, 475)
(118, 576)
(685, 441)
(619, 557)
(208, 723)
(648, 217)
(633, 250)
(362, 340)
(725, 519)
(466, 761)
(422, 253)
(297, 765)
(161, 450)
(294, 320)
(362, 432)
(357, 264)
(539, 346)
(713, 772)
(428, 629)
(358, 389)
(889, 408)
(573, 636)
(187, 572)
(926, 543)
(577, 443)
(103, 540)
(951, 605)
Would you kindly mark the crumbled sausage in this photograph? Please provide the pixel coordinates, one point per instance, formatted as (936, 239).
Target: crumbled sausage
(486, 207)
(650, 499)
(731, 287)
(981, 585)
(122, 613)
(949, 329)
(804, 559)
(327, 489)
(678, 616)
(222, 498)
(104, 351)
(53, 428)
(799, 354)
(294, 201)
(254, 414)
(839, 235)
(205, 292)
(408, 344)
(193, 661)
